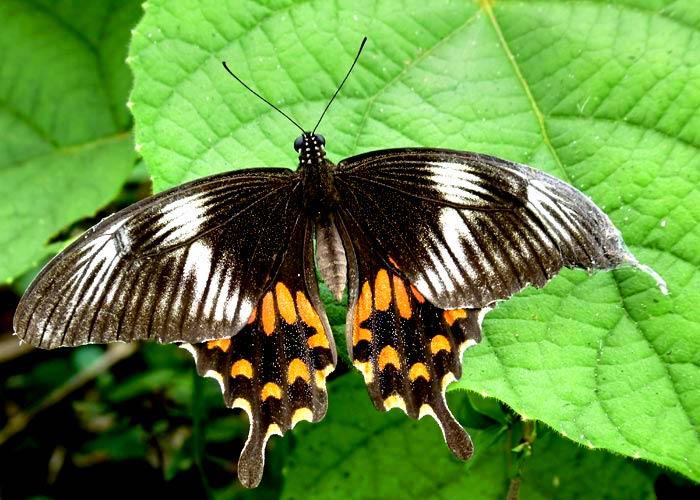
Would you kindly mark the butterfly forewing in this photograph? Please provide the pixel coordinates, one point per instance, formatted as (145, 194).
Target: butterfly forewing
(469, 229)
(275, 367)
(186, 265)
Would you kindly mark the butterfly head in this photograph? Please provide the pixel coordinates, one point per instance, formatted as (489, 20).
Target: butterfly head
(310, 145)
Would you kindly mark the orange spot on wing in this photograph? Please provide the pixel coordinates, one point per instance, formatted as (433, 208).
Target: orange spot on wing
(271, 390)
(309, 316)
(389, 356)
(253, 315)
(242, 367)
(268, 314)
(360, 334)
(222, 344)
(364, 303)
(318, 340)
(440, 343)
(308, 313)
(419, 296)
(285, 303)
(382, 291)
(453, 315)
(363, 310)
(393, 263)
(403, 302)
(418, 370)
(297, 369)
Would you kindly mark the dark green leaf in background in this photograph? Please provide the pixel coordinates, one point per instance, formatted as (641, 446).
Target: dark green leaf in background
(364, 454)
(66, 147)
(604, 95)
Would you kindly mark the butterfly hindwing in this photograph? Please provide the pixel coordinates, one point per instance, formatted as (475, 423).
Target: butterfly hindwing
(469, 229)
(185, 265)
(275, 367)
(407, 349)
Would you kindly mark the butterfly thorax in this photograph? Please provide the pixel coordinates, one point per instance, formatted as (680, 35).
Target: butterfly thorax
(316, 172)
(320, 200)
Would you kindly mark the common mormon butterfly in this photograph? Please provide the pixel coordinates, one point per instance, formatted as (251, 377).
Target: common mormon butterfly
(426, 240)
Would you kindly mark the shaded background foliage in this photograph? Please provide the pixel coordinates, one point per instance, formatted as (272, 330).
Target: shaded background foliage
(602, 94)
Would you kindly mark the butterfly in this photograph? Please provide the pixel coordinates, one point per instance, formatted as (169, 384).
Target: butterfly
(425, 240)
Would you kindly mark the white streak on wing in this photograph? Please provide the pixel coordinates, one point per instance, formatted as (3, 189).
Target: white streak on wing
(479, 255)
(214, 287)
(231, 304)
(222, 298)
(423, 284)
(107, 252)
(540, 200)
(454, 183)
(180, 219)
(198, 267)
(444, 275)
(453, 229)
(246, 308)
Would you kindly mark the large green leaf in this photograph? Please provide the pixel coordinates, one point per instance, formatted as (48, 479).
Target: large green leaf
(604, 96)
(362, 453)
(65, 149)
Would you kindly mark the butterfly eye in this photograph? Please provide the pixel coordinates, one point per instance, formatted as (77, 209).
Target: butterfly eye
(321, 140)
(299, 142)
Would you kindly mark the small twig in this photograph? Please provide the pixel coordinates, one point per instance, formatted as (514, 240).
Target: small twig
(113, 354)
(514, 489)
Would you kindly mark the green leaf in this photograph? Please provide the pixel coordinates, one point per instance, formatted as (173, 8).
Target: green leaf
(362, 453)
(579, 473)
(63, 118)
(604, 96)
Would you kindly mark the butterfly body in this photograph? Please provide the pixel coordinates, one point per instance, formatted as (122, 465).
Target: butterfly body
(316, 174)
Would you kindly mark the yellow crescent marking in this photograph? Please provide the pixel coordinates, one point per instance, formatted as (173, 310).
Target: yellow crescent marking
(297, 369)
(243, 405)
(403, 302)
(453, 315)
(320, 376)
(242, 367)
(271, 390)
(382, 291)
(222, 344)
(273, 430)
(268, 314)
(285, 303)
(302, 414)
(418, 370)
(366, 370)
(389, 356)
(439, 343)
(394, 401)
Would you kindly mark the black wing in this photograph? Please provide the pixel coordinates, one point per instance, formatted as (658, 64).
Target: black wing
(468, 229)
(188, 264)
(275, 368)
(407, 349)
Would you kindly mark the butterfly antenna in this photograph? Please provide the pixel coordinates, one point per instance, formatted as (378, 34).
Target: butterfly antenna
(263, 99)
(359, 51)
